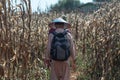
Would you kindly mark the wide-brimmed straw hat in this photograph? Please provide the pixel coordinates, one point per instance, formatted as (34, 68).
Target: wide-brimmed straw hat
(59, 20)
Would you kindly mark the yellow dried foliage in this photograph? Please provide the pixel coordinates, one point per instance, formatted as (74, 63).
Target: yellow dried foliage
(1, 6)
(1, 71)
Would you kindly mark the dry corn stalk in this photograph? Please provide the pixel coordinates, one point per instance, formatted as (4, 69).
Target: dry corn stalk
(1, 71)
(100, 40)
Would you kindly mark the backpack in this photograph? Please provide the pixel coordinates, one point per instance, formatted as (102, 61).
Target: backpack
(60, 46)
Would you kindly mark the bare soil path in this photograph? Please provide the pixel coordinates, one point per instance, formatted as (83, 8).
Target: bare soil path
(74, 75)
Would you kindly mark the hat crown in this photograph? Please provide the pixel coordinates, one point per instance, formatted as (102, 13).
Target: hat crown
(59, 20)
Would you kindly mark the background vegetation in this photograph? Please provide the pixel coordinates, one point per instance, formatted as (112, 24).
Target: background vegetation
(23, 37)
(66, 5)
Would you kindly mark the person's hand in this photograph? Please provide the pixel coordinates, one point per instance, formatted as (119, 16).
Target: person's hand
(74, 66)
(47, 63)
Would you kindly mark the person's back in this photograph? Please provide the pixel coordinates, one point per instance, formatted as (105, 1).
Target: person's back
(60, 70)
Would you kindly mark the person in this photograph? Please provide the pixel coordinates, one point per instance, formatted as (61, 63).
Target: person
(60, 69)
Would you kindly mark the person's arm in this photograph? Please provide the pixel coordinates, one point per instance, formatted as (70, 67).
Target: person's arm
(47, 54)
(72, 50)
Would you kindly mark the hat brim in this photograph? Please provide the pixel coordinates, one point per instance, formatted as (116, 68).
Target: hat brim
(53, 25)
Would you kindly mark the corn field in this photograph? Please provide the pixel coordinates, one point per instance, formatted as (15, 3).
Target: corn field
(23, 37)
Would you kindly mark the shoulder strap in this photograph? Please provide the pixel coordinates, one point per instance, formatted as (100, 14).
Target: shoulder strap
(65, 31)
(54, 33)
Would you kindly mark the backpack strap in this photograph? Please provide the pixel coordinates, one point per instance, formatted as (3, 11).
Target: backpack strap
(65, 31)
(54, 35)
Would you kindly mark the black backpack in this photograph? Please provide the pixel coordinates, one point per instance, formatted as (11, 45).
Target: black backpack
(60, 46)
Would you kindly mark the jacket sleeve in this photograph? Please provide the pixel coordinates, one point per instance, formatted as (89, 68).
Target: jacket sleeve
(47, 54)
(72, 47)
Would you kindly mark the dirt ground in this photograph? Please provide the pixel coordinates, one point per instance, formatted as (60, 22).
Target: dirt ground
(74, 75)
